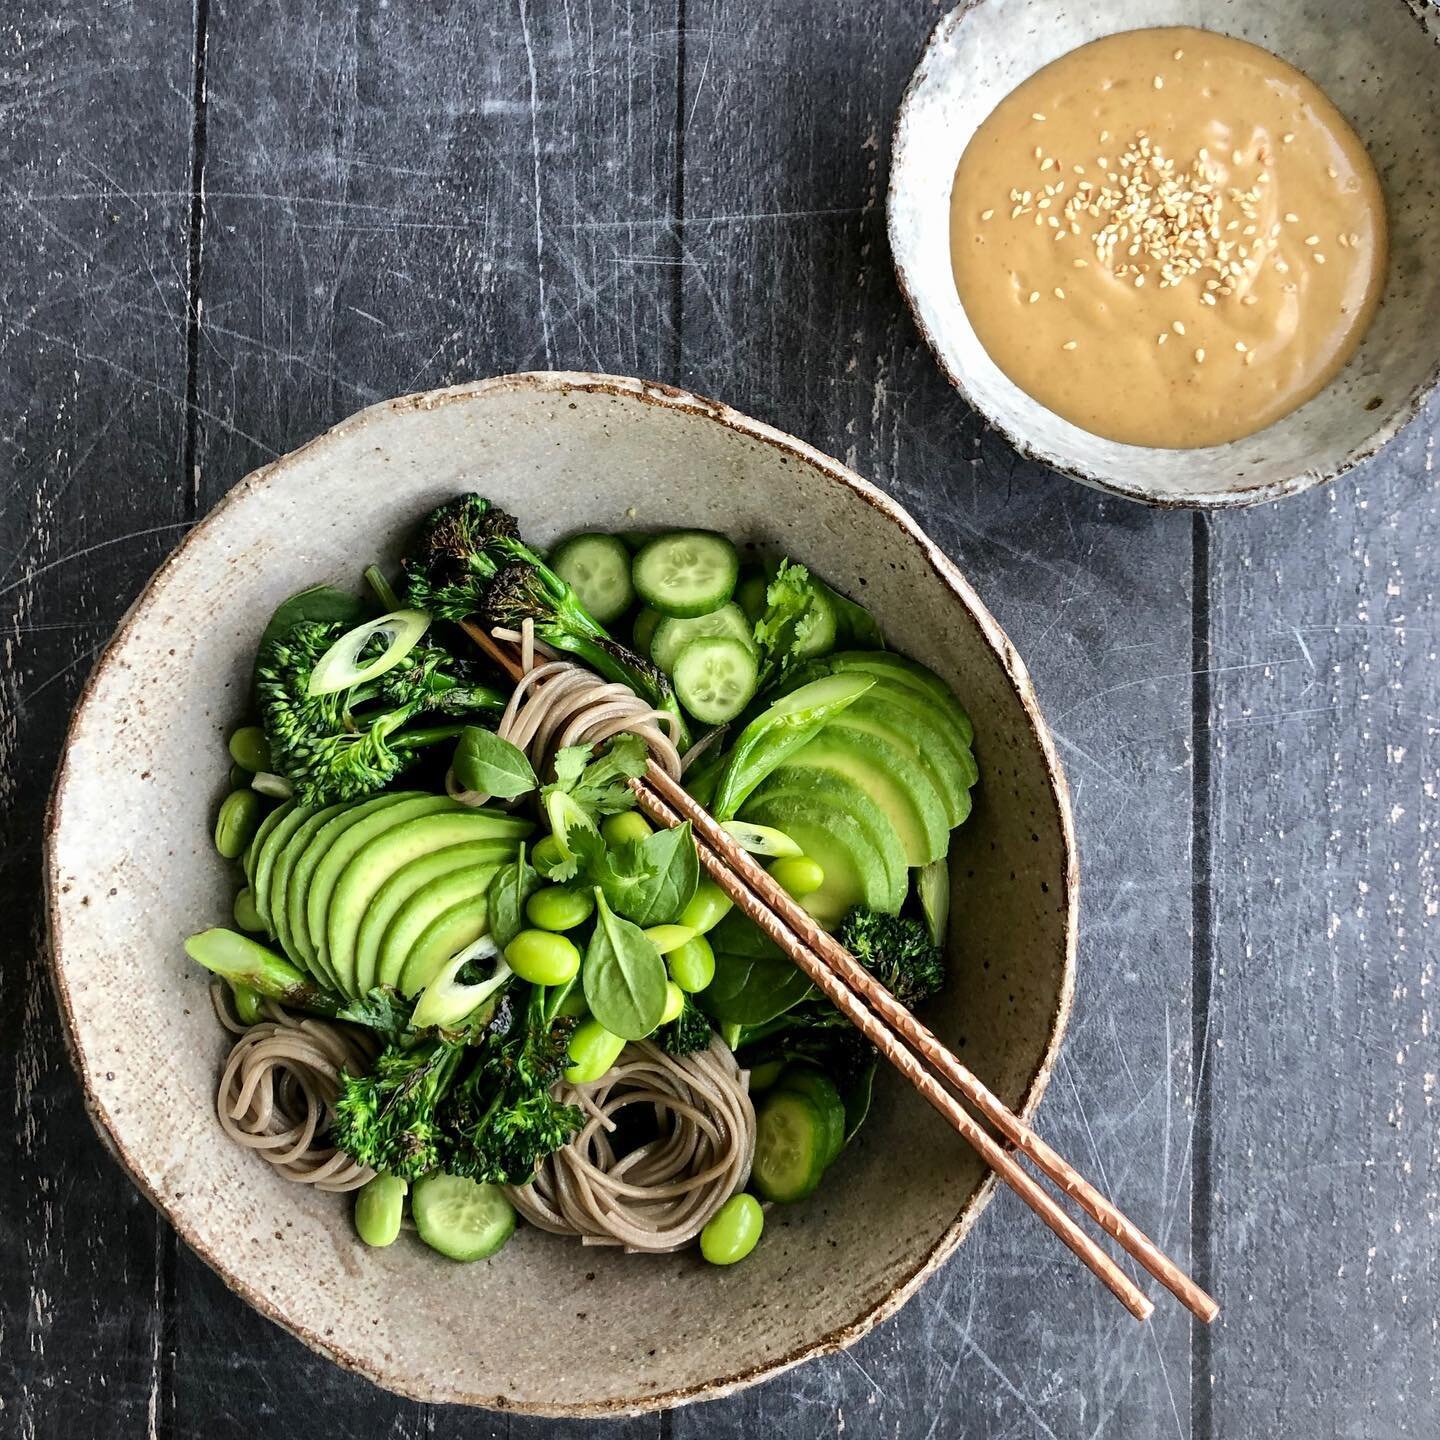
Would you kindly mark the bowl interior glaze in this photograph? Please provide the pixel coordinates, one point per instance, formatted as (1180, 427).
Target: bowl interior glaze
(1378, 60)
(547, 1327)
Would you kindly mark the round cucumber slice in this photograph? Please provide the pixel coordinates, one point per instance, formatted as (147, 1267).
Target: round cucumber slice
(597, 568)
(715, 678)
(671, 635)
(792, 1140)
(818, 1088)
(643, 631)
(687, 572)
(459, 1218)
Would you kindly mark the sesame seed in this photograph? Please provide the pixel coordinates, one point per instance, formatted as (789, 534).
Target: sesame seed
(1208, 298)
(1241, 346)
(1291, 218)
(986, 214)
(1200, 356)
(1354, 238)
(1237, 157)
(1034, 296)
(1104, 136)
(1159, 82)
(1069, 345)
(1179, 54)
(1037, 116)
(1080, 264)
(1178, 326)
(1332, 172)
(1287, 137)
(1249, 357)
(1251, 300)
(1312, 239)
(1344, 241)
(1059, 293)
(1319, 259)
(1162, 337)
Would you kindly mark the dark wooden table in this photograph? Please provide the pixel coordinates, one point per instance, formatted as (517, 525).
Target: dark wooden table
(227, 224)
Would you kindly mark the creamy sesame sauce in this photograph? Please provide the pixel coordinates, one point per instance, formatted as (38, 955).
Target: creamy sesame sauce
(1169, 237)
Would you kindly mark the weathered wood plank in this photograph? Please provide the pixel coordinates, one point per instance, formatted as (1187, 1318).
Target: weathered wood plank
(791, 312)
(94, 128)
(1325, 1165)
(397, 198)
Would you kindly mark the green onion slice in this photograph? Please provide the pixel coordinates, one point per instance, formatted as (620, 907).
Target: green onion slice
(339, 667)
(760, 839)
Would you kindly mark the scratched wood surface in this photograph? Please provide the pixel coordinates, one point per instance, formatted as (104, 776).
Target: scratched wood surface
(228, 225)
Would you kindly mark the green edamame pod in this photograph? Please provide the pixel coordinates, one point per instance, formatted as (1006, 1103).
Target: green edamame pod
(250, 749)
(247, 917)
(379, 1209)
(237, 822)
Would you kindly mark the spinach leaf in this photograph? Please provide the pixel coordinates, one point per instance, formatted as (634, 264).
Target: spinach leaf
(651, 881)
(751, 989)
(383, 1009)
(855, 627)
(509, 890)
(317, 602)
(485, 762)
(623, 975)
(777, 732)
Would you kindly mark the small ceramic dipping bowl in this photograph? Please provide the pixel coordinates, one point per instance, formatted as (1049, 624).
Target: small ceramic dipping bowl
(1378, 60)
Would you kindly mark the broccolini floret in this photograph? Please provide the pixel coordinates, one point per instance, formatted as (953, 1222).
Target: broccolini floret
(688, 1032)
(347, 745)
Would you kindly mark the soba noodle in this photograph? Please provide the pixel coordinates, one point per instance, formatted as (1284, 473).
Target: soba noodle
(558, 703)
(657, 1197)
(279, 1086)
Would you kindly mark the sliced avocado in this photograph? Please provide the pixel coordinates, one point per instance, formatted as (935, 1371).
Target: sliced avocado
(284, 867)
(378, 859)
(293, 818)
(901, 670)
(340, 846)
(302, 871)
(894, 782)
(415, 914)
(854, 869)
(841, 794)
(934, 748)
(261, 835)
(403, 884)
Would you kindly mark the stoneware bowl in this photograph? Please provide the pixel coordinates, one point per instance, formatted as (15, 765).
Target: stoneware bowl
(547, 1326)
(1379, 61)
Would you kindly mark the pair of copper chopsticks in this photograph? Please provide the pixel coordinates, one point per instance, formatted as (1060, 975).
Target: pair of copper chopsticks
(907, 1044)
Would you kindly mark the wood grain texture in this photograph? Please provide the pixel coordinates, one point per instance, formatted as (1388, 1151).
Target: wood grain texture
(94, 131)
(401, 195)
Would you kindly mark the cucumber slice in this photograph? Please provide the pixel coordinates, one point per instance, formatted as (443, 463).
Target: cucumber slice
(750, 594)
(818, 1088)
(792, 1140)
(459, 1218)
(672, 635)
(715, 678)
(597, 567)
(643, 631)
(685, 573)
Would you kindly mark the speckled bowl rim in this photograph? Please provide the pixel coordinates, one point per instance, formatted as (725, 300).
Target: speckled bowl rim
(561, 383)
(1232, 499)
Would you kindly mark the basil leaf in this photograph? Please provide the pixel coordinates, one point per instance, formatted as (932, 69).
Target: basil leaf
(485, 762)
(751, 989)
(623, 975)
(509, 890)
(651, 881)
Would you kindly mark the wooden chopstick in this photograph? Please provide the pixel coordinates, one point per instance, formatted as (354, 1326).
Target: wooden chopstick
(850, 987)
(1108, 1216)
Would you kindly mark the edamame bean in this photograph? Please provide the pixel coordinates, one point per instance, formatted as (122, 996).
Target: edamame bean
(593, 1050)
(248, 1004)
(674, 1002)
(237, 822)
(247, 917)
(557, 907)
(733, 1231)
(707, 908)
(797, 875)
(666, 938)
(239, 777)
(542, 958)
(547, 854)
(378, 1209)
(250, 749)
(692, 965)
(621, 829)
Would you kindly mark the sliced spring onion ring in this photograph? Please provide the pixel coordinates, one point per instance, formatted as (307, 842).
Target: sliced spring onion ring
(446, 1000)
(760, 839)
(339, 667)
